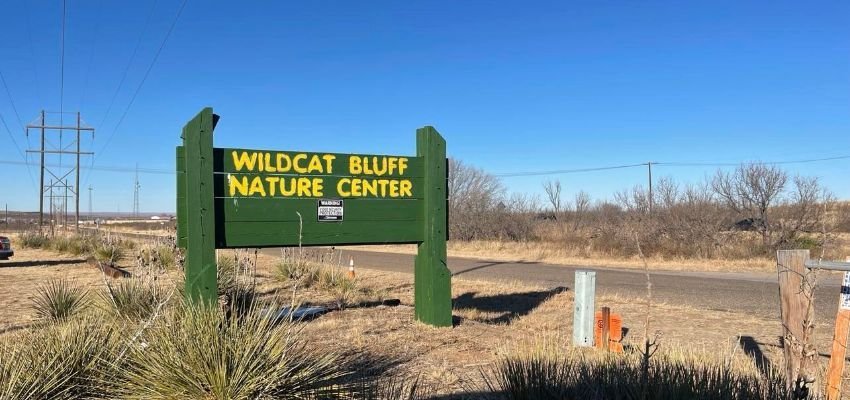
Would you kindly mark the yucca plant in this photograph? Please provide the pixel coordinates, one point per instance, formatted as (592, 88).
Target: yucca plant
(65, 361)
(133, 298)
(196, 352)
(109, 253)
(59, 299)
(338, 284)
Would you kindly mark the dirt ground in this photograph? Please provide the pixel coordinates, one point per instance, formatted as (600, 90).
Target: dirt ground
(490, 318)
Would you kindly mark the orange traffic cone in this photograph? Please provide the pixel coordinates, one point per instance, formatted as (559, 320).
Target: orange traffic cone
(351, 273)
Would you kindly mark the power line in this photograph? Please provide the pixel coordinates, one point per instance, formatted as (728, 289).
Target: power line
(144, 79)
(95, 36)
(62, 61)
(129, 63)
(567, 171)
(157, 171)
(11, 101)
(666, 164)
(727, 164)
(21, 152)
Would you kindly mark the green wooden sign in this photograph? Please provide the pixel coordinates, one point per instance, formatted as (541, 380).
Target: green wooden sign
(236, 198)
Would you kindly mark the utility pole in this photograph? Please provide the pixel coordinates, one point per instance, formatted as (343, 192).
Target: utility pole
(59, 173)
(651, 199)
(90, 212)
(136, 188)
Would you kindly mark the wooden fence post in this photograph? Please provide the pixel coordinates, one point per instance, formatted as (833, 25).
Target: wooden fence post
(585, 307)
(432, 280)
(835, 373)
(198, 216)
(797, 324)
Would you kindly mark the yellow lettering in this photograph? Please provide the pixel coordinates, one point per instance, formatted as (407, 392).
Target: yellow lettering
(366, 169)
(303, 187)
(355, 166)
(370, 187)
(402, 165)
(272, 180)
(339, 187)
(379, 168)
(393, 188)
(383, 184)
(329, 162)
(269, 167)
(241, 160)
(315, 165)
(279, 159)
(257, 187)
(356, 187)
(318, 186)
(392, 165)
(237, 184)
(297, 166)
(292, 187)
(405, 188)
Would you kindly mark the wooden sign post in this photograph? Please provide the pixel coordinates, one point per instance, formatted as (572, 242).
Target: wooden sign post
(795, 293)
(236, 198)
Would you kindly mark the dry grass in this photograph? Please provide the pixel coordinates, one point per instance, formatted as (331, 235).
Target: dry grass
(488, 315)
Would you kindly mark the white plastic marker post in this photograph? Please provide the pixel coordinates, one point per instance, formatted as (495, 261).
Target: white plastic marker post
(351, 267)
(839, 342)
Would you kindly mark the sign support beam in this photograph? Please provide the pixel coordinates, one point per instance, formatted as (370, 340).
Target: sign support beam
(432, 280)
(199, 216)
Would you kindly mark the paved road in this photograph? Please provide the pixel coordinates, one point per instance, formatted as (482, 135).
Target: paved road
(756, 294)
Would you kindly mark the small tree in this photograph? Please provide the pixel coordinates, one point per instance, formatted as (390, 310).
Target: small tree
(553, 194)
(751, 191)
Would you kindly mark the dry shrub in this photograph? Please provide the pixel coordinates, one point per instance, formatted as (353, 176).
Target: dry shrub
(574, 374)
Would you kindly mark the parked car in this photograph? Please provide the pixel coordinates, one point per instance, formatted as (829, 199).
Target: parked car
(6, 248)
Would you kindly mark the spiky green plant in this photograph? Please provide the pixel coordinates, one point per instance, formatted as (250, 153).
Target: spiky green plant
(109, 253)
(133, 298)
(338, 284)
(59, 299)
(63, 361)
(197, 352)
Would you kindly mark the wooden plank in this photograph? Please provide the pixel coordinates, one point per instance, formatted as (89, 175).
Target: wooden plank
(432, 281)
(277, 234)
(797, 325)
(199, 217)
(281, 162)
(280, 210)
(386, 188)
(835, 372)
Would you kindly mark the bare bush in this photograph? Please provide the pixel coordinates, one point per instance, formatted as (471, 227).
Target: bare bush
(751, 191)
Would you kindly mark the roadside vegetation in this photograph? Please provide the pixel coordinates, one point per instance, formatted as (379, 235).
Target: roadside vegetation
(743, 214)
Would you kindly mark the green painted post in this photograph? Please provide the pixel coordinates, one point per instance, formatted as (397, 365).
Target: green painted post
(199, 215)
(432, 280)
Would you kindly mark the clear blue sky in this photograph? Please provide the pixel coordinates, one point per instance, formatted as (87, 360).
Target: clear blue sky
(513, 86)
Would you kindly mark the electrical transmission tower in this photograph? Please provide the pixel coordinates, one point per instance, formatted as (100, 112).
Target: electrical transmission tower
(53, 150)
(136, 188)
